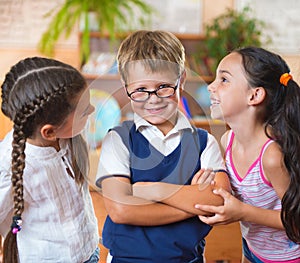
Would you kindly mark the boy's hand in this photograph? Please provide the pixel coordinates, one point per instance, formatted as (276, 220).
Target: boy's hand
(204, 177)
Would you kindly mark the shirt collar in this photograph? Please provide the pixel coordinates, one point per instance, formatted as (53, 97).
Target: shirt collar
(39, 152)
(181, 124)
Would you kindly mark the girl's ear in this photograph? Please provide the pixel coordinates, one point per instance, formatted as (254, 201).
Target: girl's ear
(257, 95)
(48, 132)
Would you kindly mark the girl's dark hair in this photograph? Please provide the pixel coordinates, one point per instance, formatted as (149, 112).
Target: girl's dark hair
(38, 91)
(282, 110)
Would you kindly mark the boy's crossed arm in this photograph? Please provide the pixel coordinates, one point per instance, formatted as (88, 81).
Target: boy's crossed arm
(124, 208)
(185, 197)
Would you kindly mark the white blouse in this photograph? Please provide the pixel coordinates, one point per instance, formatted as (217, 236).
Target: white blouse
(59, 223)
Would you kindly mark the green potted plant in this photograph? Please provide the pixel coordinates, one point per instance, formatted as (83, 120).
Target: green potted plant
(112, 17)
(231, 30)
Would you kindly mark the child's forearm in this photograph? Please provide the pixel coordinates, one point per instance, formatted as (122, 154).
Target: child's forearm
(267, 217)
(183, 196)
(124, 208)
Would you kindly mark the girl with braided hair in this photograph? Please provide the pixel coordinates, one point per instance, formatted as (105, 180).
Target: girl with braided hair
(256, 95)
(44, 192)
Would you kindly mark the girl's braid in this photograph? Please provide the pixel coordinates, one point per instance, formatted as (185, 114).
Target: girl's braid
(19, 140)
(37, 91)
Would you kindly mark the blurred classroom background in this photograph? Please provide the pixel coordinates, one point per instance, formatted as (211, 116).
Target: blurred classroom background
(23, 23)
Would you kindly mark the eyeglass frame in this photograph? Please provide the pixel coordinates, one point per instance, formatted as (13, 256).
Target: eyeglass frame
(155, 91)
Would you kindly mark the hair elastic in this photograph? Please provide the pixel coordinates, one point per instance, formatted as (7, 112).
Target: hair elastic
(16, 225)
(284, 78)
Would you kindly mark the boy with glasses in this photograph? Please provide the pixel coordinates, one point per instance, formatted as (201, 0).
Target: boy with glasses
(161, 146)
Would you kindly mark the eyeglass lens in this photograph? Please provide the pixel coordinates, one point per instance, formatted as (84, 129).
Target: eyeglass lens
(162, 92)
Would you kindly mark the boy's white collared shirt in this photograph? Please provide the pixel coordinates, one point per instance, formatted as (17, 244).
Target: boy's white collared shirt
(114, 158)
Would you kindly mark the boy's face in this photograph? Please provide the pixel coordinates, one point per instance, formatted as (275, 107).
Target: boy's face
(161, 112)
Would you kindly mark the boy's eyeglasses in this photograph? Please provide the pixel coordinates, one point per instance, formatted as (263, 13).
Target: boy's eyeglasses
(163, 91)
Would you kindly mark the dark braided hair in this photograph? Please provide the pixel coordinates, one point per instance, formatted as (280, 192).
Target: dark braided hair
(38, 91)
(282, 111)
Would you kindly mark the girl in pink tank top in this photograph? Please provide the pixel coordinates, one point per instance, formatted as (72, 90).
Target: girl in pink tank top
(257, 97)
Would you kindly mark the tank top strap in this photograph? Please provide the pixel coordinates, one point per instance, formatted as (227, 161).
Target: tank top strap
(229, 142)
(265, 146)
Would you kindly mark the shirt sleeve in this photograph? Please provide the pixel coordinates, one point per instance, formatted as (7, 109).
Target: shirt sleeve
(114, 157)
(6, 198)
(6, 201)
(211, 157)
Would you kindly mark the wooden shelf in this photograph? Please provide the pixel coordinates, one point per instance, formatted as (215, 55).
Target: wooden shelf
(105, 76)
(190, 36)
(117, 77)
(206, 79)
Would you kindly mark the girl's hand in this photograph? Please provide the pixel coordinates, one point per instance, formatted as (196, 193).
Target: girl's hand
(204, 177)
(230, 212)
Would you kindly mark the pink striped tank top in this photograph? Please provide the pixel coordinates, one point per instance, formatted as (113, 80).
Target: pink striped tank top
(268, 244)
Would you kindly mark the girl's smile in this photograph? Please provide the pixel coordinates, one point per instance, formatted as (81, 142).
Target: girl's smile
(228, 90)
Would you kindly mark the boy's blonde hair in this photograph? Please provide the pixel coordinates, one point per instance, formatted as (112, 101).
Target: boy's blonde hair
(153, 49)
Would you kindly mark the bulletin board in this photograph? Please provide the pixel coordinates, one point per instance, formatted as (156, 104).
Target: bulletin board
(23, 22)
(282, 19)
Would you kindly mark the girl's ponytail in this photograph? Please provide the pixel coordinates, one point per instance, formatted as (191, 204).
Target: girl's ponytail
(290, 143)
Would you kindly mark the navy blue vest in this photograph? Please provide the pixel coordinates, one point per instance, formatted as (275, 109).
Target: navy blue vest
(177, 242)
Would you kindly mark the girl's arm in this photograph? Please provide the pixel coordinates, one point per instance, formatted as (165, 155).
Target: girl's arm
(124, 208)
(184, 197)
(234, 210)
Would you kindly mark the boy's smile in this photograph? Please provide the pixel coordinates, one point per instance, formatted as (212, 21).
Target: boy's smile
(158, 111)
